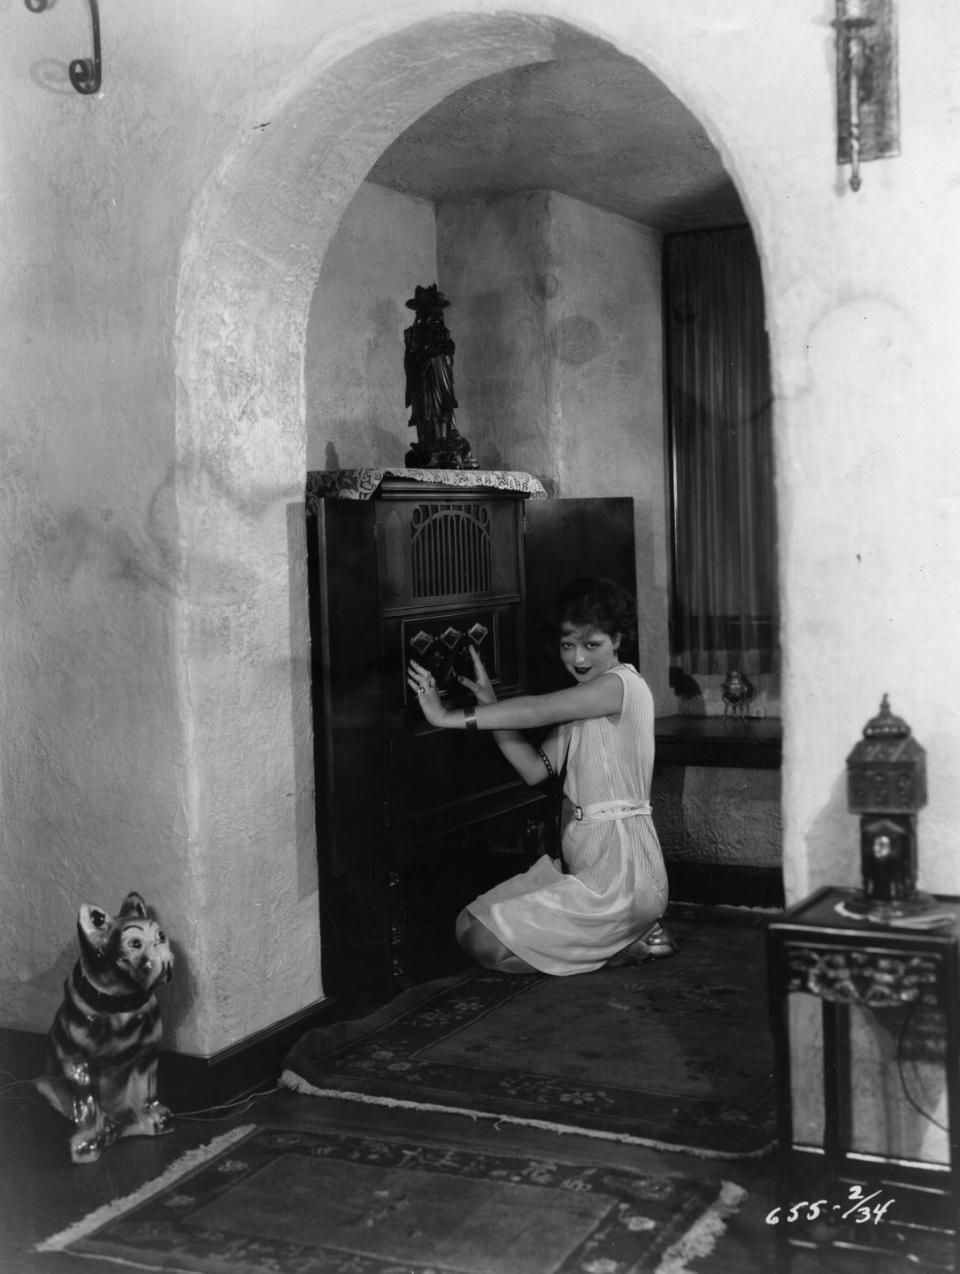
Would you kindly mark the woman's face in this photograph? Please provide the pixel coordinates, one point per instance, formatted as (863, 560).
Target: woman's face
(587, 652)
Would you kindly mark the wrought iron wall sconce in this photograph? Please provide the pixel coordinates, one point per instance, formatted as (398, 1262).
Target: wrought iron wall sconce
(868, 115)
(84, 72)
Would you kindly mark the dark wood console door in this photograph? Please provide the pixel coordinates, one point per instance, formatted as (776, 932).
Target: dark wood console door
(564, 539)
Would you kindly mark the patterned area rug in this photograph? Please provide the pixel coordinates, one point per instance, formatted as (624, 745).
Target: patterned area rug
(674, 1054)
(261, 1200)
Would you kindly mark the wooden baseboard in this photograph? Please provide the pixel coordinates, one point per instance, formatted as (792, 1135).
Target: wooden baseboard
(187, 1082)
(23, 1054)
(190, 1083)
(729, 885)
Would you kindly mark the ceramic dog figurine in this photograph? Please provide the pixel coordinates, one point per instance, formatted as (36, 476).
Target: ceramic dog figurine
(105, 1038)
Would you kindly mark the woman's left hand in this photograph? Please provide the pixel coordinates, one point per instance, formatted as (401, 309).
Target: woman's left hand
(481, 689)
(424, 684)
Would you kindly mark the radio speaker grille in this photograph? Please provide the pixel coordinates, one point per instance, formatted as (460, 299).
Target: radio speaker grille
(451, 549)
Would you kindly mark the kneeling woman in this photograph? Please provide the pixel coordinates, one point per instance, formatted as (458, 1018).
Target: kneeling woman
(605, 908)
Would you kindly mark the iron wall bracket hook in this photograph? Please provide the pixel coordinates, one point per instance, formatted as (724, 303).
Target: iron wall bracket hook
(85, 73)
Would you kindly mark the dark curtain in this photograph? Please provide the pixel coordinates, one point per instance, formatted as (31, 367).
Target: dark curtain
(719, 421)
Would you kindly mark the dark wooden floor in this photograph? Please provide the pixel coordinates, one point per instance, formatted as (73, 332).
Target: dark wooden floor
(41, 1192)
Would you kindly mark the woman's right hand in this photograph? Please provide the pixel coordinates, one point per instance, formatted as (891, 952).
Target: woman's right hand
(423, 683)
(481, 688)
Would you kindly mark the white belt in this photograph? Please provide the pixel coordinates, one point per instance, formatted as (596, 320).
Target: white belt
(606, 811)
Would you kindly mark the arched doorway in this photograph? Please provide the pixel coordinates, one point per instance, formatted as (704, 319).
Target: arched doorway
(249, 268)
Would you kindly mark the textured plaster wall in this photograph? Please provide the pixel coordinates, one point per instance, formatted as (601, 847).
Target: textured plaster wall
(160, 246)
(160, 252)
(605, 335)
(385, 245)
(560, 366)
(91, 555)
(719, 816)
(496, 269)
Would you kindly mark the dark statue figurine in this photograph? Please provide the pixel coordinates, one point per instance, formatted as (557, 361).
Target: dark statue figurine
(428, 364)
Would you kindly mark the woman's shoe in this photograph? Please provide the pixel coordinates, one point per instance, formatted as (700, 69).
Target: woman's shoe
(653, 944)
(658, 942)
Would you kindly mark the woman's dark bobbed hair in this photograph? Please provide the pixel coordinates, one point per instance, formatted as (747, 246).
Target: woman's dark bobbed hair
(601, 603)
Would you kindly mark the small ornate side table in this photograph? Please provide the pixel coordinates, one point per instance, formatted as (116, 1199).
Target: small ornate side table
(833, 1196)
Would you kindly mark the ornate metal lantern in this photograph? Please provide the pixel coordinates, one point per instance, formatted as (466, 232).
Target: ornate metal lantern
(886, 786)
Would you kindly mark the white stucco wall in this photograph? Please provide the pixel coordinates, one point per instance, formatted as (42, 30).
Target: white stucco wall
(160, 245)
(717, 816)
(555, 306)
(606, 337)
(495, 266)
(385, 244)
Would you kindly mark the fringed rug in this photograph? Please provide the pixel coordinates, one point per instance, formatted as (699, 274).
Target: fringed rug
(674, 1054)
(262, 1200)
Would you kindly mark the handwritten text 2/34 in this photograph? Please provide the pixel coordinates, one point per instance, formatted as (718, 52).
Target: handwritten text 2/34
(858, 1208)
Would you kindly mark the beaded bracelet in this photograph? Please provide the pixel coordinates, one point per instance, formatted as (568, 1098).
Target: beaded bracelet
(546, 760)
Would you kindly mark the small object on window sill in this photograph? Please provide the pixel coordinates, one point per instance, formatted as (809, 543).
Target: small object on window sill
(736, 694)
(687, 690)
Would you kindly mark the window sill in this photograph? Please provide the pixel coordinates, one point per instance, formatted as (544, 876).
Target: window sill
(750, 744)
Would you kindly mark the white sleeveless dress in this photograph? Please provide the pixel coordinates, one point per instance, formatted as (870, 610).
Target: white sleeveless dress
(616, 883)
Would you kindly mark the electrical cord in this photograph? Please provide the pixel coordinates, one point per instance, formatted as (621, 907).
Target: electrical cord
(13, 1083)
(901, 1039)
(211, 1114)
(238, 1106)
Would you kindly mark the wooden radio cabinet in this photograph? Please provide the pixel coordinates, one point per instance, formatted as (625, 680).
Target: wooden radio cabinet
(426, 570)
